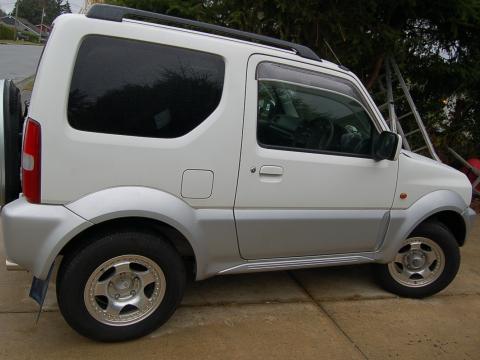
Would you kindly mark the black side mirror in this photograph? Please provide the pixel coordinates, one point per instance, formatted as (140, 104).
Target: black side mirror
(387, 146)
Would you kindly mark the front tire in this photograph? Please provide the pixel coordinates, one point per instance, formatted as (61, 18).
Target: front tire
(426, 263)
(120, 286)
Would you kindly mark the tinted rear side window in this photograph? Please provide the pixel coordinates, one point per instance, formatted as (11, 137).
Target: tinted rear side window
(135, 88)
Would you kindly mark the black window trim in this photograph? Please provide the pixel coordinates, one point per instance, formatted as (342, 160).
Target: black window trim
(313, 151)
(372, 118)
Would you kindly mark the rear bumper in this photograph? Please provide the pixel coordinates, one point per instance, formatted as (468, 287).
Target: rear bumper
(35, 234)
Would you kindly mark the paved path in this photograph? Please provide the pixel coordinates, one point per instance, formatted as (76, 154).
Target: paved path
(18, 61)
(330, 313)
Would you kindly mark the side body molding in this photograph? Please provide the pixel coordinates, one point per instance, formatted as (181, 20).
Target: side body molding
(404, 221)
(210, 232)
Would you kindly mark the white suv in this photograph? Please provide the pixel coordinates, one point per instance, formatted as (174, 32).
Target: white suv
(153, 151)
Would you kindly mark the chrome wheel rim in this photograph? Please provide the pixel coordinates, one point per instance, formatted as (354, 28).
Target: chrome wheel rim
(124, 290)
(418, 263)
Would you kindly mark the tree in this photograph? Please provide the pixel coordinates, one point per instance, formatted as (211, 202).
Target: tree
(436, 44)
(32, 10)
(65, 8)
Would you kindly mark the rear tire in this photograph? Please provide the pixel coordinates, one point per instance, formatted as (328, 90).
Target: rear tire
(12, 141)
(102, 287)
(426, 263)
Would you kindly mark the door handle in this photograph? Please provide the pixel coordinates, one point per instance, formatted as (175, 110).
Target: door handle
(271, 170)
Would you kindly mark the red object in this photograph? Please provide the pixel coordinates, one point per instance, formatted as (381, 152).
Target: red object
(31, 161)
(471, 176)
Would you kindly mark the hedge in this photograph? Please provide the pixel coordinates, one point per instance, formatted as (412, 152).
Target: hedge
(6, 32)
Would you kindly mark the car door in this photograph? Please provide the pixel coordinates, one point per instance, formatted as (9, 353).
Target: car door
(308, 184)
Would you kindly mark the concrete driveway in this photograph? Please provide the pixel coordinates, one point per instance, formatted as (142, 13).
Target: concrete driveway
(335, 313)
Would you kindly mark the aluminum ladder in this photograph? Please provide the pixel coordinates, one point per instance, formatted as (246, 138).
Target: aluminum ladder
(401, 94)
(409, 125)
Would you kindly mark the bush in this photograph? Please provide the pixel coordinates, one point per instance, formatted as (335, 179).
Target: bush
(6, 32)
(24, 35)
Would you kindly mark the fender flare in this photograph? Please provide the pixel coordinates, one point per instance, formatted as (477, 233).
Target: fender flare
(404, 221)
(210, 232)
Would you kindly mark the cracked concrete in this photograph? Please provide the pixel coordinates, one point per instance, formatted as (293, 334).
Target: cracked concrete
(333, 313)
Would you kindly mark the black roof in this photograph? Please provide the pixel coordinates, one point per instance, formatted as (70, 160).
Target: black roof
(9, 20)
(118, 13)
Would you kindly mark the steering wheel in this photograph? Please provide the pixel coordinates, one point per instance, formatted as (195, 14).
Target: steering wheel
(322, 130)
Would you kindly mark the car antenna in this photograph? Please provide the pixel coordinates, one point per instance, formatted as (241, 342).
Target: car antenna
(333, 52)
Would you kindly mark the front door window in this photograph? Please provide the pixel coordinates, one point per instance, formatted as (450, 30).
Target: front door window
(301, 117)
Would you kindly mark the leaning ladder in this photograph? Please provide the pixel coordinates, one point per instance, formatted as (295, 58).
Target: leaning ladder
(423, 143)
(415, 125)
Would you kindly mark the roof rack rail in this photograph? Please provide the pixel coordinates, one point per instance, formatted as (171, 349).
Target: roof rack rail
(118, 13)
